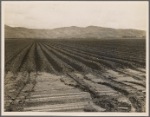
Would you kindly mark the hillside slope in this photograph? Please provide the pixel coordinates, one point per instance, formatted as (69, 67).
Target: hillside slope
(72, 32)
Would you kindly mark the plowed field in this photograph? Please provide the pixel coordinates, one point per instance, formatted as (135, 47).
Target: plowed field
(75, 75)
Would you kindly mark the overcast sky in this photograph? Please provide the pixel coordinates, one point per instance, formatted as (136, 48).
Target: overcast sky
(54, 14)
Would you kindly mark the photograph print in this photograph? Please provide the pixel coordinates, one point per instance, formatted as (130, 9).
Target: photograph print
(87, 57)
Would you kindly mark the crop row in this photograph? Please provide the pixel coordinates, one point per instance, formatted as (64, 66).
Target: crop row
(55, 57)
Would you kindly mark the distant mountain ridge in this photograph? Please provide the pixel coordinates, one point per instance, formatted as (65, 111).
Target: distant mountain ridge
(73, 32)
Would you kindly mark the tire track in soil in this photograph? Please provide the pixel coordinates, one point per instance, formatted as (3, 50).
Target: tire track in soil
(131, 74)
(14, 102)
(26, 91)
(130, 92)
(136, 83)
(107, 101)
(52, 100)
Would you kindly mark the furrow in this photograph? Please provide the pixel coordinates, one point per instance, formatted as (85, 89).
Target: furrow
(28, 63)
(16, 64)
(77, 65)
(89, 63)
(65, 67)
(101, 62)
(43, 63)
(106, 56)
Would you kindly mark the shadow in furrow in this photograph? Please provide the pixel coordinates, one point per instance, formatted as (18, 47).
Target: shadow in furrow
(76, 66)
(51, 60)
(37, 58)
(23, 59)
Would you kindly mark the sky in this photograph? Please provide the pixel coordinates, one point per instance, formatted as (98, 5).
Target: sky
(55, 14)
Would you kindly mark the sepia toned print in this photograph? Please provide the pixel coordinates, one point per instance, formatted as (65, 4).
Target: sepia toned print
(58, 59)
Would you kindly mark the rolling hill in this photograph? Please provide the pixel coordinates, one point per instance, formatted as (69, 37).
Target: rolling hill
(72, 32)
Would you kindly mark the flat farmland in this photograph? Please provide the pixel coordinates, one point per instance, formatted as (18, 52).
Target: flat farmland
(75, 75)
